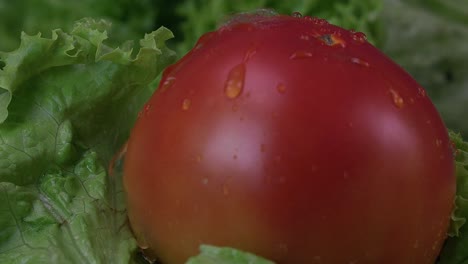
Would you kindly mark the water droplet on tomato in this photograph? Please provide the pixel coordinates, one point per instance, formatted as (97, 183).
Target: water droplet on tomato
(250, 53)
(281, 88)
(397, 99)
(186, 104)
(319, 21)
(262, 147)
(142, 244)
(296, 14)
(438, 142)
(301, 54)
(235, 107)
(359, 37)
(147, 109)
(421, 92)
(333, 40)
(234, 156)
(360, 62)
(167, 83)
(304, 37)
(235, 81)
(199, 158)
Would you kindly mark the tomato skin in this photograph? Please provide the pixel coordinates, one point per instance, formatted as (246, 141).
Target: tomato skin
(295, 140)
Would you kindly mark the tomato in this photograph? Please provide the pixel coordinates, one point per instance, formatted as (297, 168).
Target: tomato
(293, 139)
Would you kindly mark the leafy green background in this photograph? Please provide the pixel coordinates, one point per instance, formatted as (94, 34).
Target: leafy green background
(69, 97)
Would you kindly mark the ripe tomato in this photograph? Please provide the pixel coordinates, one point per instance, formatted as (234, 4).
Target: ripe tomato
(295, 140)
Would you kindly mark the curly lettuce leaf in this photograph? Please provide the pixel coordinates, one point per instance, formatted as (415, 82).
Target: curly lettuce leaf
(217, 255)
(64, 218)
(131, 19)
(71, 101)
(455, 250)
(199, 17)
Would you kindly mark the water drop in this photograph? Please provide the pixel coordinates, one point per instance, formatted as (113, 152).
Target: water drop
(235, 81)
(360, 62)
(167, 83)
(300, 54)
(397, 99)
(333, 40)
(281, 88)
(296, 14)
(304, 37)
(186, 104)
(319, 21)
(199, 158)
(250, 53)
(262, 148)
(421, 92)
(359, 37)
(235, 107)
(438, 142)
(147, 109)
(234, 156)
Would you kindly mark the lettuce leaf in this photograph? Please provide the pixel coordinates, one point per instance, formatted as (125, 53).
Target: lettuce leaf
(68, 104)
(455, 250)
(225, 255)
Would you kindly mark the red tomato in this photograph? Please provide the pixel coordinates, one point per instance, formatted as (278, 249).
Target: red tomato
(295, 140)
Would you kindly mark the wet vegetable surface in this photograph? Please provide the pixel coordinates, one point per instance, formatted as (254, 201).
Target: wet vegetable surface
(293, 139)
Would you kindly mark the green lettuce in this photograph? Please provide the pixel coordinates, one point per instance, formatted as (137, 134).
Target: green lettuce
(226, 255)
(68, 103)
(455, 250)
